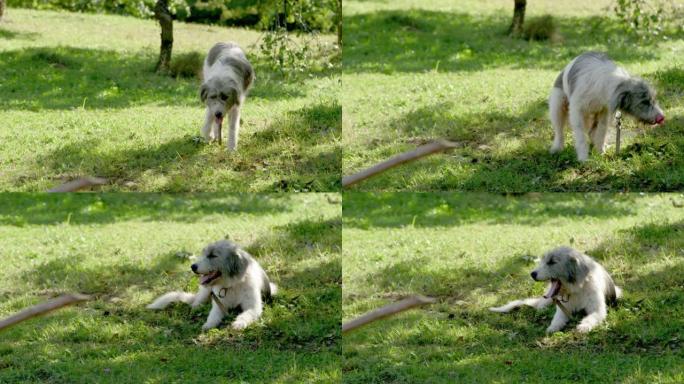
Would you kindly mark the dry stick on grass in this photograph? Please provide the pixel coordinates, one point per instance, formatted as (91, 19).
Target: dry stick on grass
(422, 151)
(388, 310)
(218, 134)
(42, 309)
(78, 184)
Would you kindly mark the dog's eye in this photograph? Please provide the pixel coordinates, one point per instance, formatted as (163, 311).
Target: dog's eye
(224, 97)
(211, 256)
(551, 262)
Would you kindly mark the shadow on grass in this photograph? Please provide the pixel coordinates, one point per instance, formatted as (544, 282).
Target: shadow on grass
(293, 141)
(76, 77)
(421, 40)
(367, 210)
(7, 34)
(57, 209)
(299, 146)
(643, 331)
(652, 162)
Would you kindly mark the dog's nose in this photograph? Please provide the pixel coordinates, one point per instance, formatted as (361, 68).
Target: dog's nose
(534, 275)
(659, 119)
(218, 114)
(194, 267)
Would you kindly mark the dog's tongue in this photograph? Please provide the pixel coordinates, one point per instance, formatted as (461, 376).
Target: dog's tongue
(553, 289)
(207, 278)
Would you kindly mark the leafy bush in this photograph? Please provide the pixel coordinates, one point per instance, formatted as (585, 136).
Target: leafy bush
(306, 15)
(645, 19)
(539, 28)
(186, 65)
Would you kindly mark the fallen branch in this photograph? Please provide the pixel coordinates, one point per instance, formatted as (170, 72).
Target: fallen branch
(388, 310)
(42, 309)
(78, 184)
(422, 151)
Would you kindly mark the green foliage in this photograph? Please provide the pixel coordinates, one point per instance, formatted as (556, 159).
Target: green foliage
(540, 28)
(641, 17)
(186, 65)
(307, 15)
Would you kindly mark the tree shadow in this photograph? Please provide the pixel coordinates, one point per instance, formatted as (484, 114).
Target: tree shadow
(78, 209)
(651, 162)
(100, 79)
(422, 40)
(306, 143)
(7, 34)
(367, 210)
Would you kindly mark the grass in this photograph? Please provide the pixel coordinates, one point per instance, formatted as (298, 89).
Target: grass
(447, 69)
(125, 249)
(79, 97)
(472, 251)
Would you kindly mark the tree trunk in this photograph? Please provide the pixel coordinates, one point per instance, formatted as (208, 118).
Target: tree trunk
(2, 8)
(516, 27)
(162, 14)
(339, 23)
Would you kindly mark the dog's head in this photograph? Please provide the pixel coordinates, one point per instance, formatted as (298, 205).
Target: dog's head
(219, 95)
(221, 259)
(635, 97)
(562, 265)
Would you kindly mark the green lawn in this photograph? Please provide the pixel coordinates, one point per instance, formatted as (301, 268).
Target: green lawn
(125, 249)
(78, 96)
(473, 251)
(416, 70)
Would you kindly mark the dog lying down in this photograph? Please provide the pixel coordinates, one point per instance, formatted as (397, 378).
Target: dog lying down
(235, 278)
(577, 284)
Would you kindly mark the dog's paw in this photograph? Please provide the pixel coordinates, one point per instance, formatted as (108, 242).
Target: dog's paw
(498, 309)
(154, 306)
(552, 329)
(239, 324)
(584, 328)
(555, 149)
(208, 326)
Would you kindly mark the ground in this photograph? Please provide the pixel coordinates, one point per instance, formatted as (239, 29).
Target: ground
(79, 97)
(125, 249)
(473, 251)
(414, 71)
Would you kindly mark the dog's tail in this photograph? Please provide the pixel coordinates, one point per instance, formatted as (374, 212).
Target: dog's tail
(164, 300)
(274, 289)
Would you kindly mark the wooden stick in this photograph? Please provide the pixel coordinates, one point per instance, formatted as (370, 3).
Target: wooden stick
(42, 309)
(422, 151)
(78, 184)
(388, 310)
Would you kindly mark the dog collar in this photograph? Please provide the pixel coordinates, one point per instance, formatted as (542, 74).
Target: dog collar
(218, 302)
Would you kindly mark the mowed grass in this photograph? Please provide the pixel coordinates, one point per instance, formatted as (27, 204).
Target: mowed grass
(125, 249)
(473, 251)
(415, 71)
(78, 97)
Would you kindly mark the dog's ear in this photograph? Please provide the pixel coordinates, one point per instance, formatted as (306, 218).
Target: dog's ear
(577, 269)
(204, 92)
(233, 97)
(622, 95)
(237, 263)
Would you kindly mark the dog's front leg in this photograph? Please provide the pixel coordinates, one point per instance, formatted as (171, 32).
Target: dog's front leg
(577, 124)
(252, 311)
(201, 296)
(536, 302)
(215, 317)
(234, 128)
(558, 322)
(594, 317)
(206, 130)
(599, 136)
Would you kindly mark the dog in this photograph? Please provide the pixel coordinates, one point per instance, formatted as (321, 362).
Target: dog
(588, 92)
(236, 280)
(577, 284)
(228, 76)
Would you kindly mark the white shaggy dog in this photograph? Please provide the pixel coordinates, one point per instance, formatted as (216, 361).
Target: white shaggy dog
(235, 278)
(228, 75)
(577, 284)
(588, 92)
